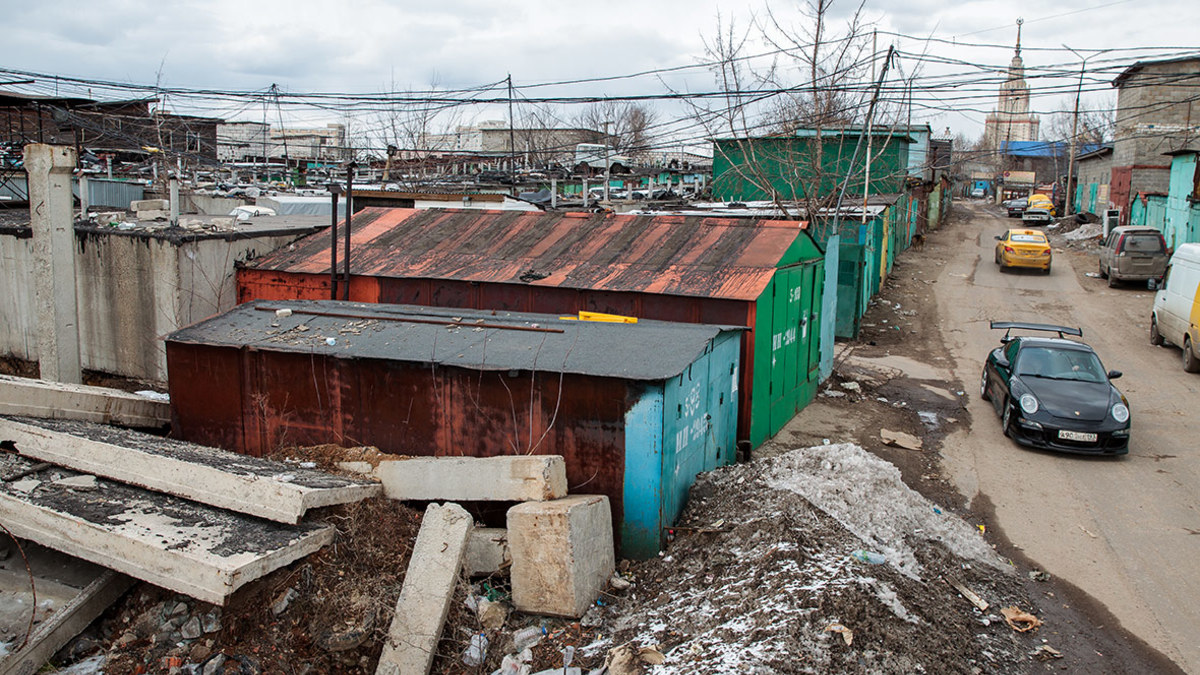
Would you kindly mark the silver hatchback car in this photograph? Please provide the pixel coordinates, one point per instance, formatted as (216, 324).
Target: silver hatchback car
(1133, 254)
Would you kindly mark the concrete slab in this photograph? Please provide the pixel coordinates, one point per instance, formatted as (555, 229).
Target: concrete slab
(149, 205)
(562, 554)
(67, 622)
(487, 552)
(517, 478)
(189, 548)
(428, 591)
(264, 488)
(57, 400)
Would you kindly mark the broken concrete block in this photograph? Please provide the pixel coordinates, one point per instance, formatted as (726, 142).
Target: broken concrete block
(562, 554)
(84, 482)
(428, 591)
(149, 205)
(153, 214)
(487, 551)
(56, 400)
(517, 478)
(259, 487)
(899, 439)
(189, 548)
(26, 486)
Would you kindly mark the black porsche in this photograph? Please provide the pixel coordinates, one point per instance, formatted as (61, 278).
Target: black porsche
(1053, 393)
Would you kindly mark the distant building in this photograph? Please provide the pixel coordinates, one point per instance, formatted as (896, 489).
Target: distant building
(534, 147)
(257, 142)
(1011, 120)
(128, 130)
(242, 141)
(1154, 116)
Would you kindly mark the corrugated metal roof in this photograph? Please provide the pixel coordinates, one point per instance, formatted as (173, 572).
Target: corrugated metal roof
(479, 340)
(676, 255)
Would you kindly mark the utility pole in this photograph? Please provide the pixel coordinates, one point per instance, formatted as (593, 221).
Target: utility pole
(1070, 196)
(870, 136)
(512, 138)
(607, 161)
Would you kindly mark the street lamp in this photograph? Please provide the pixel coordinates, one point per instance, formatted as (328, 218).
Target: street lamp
(1070, 202)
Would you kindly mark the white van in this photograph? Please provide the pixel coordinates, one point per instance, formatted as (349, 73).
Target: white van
(1176, 316)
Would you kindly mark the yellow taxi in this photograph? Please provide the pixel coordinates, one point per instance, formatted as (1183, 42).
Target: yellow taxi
(1040, 201)
(1023, 248)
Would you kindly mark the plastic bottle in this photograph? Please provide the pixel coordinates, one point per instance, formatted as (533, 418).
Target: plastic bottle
(528, 637)
(476, 652)
(870, 557)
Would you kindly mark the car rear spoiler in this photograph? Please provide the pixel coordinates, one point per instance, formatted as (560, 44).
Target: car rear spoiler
(1008, 327)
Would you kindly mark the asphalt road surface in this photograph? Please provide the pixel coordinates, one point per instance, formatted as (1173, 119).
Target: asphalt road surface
(1126, 531)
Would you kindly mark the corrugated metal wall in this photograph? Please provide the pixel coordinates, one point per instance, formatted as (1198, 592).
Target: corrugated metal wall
(111, 193)
(608, 431)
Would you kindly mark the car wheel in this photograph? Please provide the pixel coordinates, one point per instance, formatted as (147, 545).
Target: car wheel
(1190, 363)
(1156, 338)
(1047, 270)
(1103, 272)
(1113, 282)
(1006, 421)
(983, 383)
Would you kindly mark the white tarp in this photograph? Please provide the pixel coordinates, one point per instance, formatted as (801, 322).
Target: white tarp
(294, 205)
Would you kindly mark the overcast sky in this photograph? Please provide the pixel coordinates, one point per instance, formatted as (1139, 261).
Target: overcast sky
(305, 46)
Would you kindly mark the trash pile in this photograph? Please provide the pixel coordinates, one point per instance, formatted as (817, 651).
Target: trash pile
(822, 560)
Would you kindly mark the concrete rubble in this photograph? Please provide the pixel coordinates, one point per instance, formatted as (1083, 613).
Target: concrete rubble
(509, 479)
(428, 590)
(562, 554)
(56, 400)
(197, 550)
(259, 487)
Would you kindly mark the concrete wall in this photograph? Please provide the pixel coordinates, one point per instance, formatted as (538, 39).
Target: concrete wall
(16, 302)
(210, 205)
(132, 289)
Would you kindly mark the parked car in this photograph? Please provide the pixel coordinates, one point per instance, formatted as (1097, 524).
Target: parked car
(1015, 207)
(1036, 216)
(1053, 393)
(1176, 312)
(1133, 254)
(1040, 201)
(978, 193)
(1023, 248)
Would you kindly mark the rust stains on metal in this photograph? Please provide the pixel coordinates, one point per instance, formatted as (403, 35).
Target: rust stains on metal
(672, 255)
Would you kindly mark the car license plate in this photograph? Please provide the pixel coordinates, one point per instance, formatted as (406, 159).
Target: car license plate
(1076, 436)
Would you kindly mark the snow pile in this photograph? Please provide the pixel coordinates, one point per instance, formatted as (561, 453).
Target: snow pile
(1088, 231)
(866, 495)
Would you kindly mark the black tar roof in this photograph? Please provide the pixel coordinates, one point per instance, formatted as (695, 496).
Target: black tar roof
(478, 340)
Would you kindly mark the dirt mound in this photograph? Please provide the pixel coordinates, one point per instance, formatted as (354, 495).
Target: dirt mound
(759, 579)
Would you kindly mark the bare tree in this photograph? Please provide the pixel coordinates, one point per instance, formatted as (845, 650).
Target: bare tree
(630, 125)
(818, 84)
(1096, 123)
(412, 132)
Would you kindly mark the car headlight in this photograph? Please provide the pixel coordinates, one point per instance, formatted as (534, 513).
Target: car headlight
(1120, 413)
(1030, 405)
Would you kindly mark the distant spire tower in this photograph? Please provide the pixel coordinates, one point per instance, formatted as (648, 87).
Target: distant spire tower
(1011, 121)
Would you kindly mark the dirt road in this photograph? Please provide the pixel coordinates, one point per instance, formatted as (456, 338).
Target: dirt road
(1126, 531)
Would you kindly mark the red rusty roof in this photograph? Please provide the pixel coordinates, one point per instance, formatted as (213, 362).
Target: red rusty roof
(730, 258)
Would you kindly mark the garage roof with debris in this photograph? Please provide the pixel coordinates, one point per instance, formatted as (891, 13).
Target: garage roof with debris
(482, 340)
(733, 258)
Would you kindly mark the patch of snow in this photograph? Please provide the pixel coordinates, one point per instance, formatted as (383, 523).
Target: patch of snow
(154, 395)
(866, 495)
